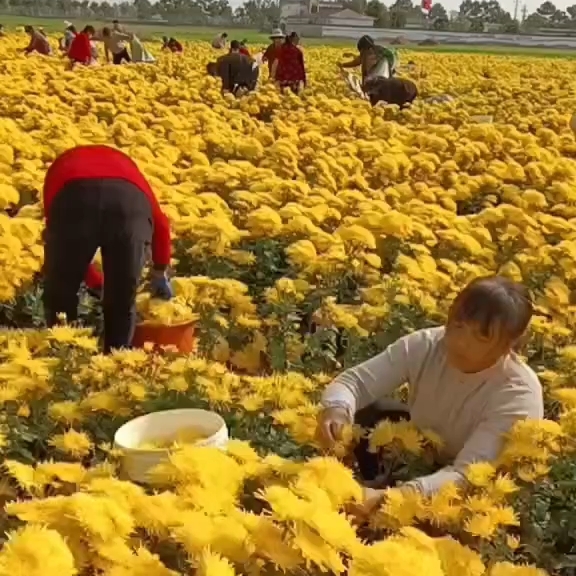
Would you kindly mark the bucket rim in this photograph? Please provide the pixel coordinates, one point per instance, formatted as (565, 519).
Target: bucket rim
(127, 449)
(158, 324)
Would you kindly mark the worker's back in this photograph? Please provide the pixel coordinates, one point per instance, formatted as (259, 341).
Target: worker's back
(236, 69)
(399, 91)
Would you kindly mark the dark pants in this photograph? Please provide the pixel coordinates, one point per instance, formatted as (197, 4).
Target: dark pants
(369, 464)
(110, 214)
(121, 57)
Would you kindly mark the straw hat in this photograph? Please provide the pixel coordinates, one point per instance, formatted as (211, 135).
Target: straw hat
(67, 23)
(277, 33)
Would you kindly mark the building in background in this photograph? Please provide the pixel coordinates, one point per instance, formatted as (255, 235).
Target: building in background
(314, 17)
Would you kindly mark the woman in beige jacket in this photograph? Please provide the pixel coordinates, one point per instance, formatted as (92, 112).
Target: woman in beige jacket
(465, 383)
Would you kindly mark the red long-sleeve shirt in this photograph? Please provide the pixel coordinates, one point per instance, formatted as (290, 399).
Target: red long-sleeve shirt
(85, 162)
(80, 49)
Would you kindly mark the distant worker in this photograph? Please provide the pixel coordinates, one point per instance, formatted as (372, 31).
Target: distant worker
(115, 43)
(96, 197)
(38, 42)
(243, 49)
(80, 51)
(220, 41)
(288, 69)
(271, 53)
(374, 60)
(139, 51)
(2, 33)
(69, 35)
(399, 91)
(116, 26)
(238, 72)
(172, 44)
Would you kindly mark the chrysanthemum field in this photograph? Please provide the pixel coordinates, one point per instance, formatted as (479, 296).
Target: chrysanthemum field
(308, 234)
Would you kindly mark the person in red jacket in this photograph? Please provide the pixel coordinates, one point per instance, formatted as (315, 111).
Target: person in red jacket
(288, 69)
(80, 51)
(96, 197)
(243, 49)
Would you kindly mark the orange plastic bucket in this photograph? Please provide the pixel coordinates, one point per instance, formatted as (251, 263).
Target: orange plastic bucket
(179, 335)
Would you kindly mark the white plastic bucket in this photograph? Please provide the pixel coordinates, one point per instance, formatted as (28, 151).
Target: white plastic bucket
(159, 426)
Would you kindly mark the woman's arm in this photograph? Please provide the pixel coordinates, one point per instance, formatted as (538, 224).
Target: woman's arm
(484, 445)
(352, 63)
(274, 69)
(362, 385)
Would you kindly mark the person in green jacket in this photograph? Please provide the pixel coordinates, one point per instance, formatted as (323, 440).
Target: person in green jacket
(375, 60)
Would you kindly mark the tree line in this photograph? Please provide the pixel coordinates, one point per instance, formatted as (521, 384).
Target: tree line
(473, 15)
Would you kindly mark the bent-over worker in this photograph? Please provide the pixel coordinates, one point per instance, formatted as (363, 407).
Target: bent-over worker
(96, 197)
(466, 384)
(399, 91)
(38, 42)
(239, 73)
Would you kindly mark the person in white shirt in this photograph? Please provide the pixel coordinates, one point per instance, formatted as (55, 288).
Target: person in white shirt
(466, 383)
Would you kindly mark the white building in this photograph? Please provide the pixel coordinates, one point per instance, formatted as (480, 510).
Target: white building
(303, 15)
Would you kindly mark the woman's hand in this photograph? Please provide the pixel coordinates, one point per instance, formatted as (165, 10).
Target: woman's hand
(331, 422)
(371, 501)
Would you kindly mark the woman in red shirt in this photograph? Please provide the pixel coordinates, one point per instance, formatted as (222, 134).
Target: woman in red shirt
(96, 197)
(288, 69)
(80, 51)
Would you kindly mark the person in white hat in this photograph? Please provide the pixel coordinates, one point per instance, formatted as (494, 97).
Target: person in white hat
(271, 52)
(69, 35)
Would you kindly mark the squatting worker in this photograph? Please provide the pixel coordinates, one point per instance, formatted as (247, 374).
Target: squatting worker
(399, 91)
(465, 383)
(96, 197)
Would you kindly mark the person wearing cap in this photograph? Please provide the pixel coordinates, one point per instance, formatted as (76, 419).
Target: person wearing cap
(96, 197)
(69, 35)
(238, 72)
(288, 70)
(374, 60)
(271, 53)
(172, 44)
(38, 42)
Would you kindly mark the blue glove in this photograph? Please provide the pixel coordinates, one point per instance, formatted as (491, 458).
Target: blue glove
(160, 287)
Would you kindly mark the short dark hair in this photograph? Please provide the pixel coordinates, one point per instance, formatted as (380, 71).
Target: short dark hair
(28, 29)
(234, 45)
(224, 35)
(494, 302)
(115, 22)
(106, 31)
(89, 29)
(212, 68)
